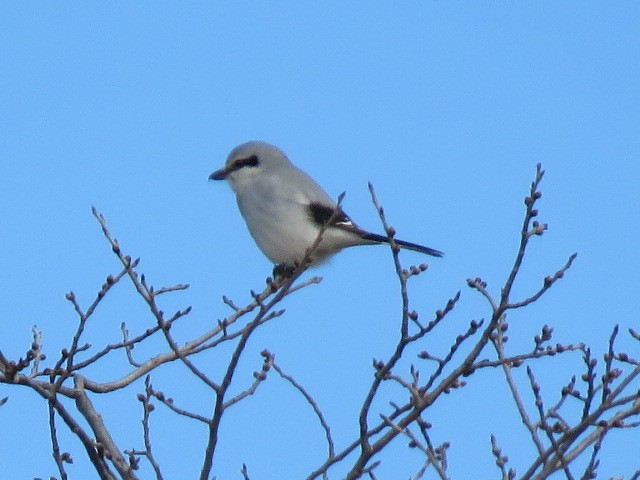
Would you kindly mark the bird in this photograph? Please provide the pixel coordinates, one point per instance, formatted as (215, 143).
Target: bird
(285, 209)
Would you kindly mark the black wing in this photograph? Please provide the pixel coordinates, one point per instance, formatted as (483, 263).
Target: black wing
(321, 214)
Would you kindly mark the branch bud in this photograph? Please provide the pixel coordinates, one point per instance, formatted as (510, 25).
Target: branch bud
(378, 364)
(66, 457)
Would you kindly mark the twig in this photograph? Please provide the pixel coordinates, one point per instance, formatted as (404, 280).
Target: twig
(313, 404)
(525, 234)
(147, 408)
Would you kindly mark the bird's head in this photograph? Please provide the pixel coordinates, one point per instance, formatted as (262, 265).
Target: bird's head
(249, 160)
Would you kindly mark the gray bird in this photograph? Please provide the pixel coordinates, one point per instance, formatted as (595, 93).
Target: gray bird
(284, 209)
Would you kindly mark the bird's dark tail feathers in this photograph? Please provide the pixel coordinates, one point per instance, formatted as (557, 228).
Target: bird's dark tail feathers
(408, 245)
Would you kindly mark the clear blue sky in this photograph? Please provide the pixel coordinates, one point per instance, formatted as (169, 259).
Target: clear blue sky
(445, 108)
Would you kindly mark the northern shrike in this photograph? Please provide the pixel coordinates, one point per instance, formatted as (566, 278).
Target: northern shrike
(284, 208)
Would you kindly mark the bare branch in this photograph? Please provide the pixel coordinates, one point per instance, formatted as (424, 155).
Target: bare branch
(147, 408)
(103, 438)
(313, 404)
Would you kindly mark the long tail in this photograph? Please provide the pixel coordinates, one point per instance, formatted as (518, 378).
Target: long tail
(408, 245)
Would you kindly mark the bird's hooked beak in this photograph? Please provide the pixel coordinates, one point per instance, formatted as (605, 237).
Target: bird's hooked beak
(220, 174)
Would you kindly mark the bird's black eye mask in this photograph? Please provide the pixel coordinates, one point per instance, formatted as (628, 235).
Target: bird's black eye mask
(251, 161)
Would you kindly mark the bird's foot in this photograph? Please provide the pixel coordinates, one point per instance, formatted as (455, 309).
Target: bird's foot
(283, 271)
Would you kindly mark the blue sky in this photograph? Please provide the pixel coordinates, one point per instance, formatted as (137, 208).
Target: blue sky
(445, 108)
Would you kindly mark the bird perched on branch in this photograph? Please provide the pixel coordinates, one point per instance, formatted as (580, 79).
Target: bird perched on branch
(285, 209)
